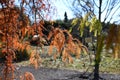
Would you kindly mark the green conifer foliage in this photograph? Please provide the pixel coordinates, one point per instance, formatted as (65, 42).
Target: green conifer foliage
(65, 17)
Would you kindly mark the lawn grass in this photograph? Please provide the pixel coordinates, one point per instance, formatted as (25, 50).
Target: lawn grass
(107, 65)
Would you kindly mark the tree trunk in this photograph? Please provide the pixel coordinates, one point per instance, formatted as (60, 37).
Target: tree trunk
(96, 71)
(100, 5)
(97, 55)
(99, 47)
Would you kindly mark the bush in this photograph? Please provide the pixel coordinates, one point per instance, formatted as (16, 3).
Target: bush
(22, 55)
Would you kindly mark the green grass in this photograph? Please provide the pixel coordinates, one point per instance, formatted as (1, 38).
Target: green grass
(110, 65)
(107, 64)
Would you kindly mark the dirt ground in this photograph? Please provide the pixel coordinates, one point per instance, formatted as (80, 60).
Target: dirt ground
(60, 74)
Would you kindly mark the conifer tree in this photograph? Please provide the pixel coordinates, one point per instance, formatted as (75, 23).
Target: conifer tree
(65, 17)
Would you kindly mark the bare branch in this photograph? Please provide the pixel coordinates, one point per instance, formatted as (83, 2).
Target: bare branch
(107, 12)
(110, 8)
(95, 4)
(105, 7)
(114, 13)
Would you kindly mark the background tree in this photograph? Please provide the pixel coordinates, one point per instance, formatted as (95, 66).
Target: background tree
(105, 10)
(113, 40)
(108, 10)
(65, 17)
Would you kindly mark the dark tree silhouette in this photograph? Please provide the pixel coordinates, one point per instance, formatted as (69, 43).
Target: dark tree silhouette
(65, 17)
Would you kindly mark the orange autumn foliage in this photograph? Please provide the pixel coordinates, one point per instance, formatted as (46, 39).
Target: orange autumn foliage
(35, 59)
(65, 44)
(113, 40)
(27, 76)
(15, 26)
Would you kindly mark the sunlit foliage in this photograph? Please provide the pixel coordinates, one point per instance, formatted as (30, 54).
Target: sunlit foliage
(65, 44)
(93, 23)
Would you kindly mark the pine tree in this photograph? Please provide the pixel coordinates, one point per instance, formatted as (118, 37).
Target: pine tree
(65, 17)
